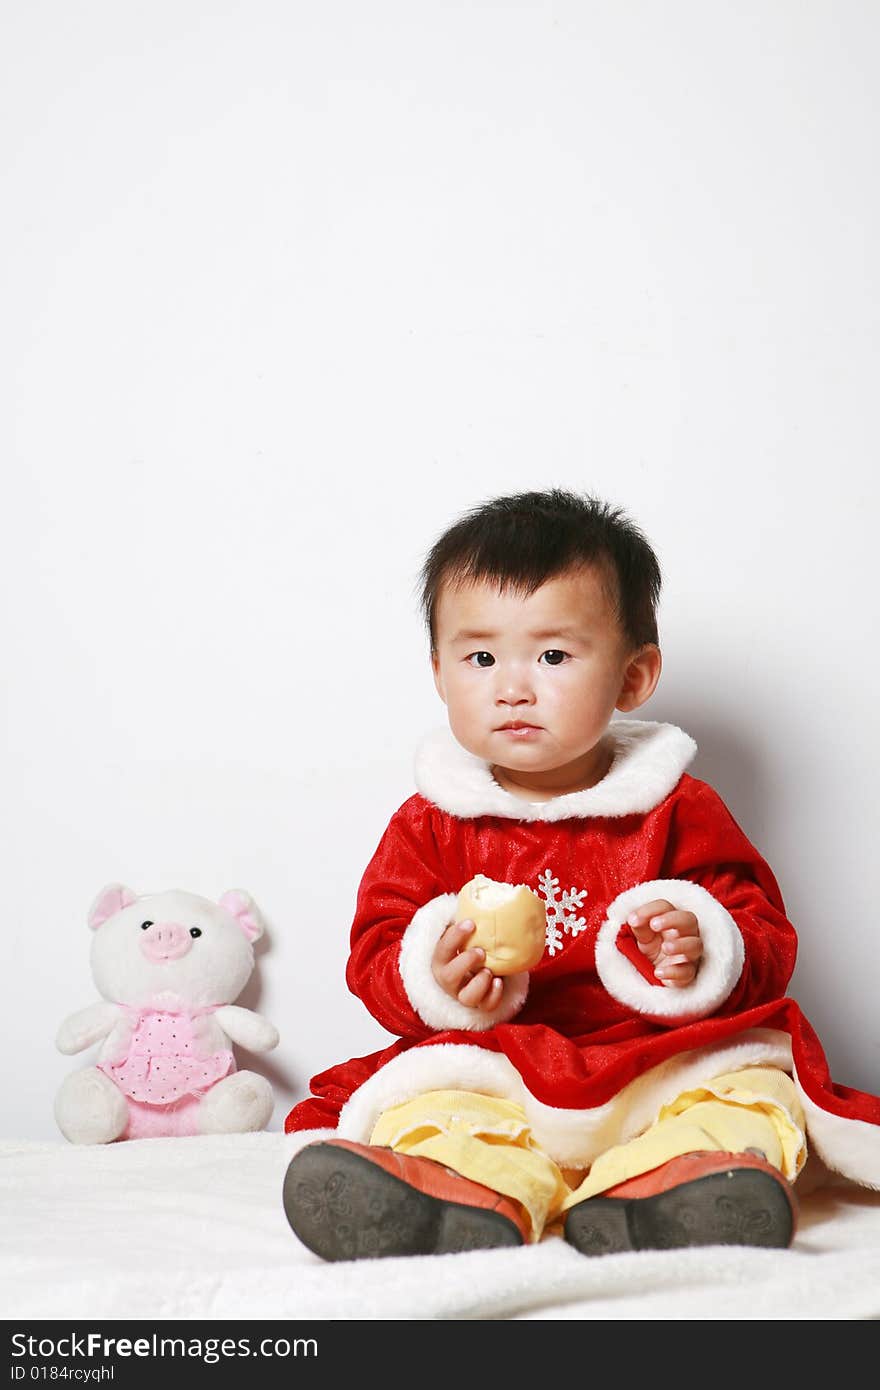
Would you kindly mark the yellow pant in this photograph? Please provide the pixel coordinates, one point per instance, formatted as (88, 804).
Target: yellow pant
(490, 1140)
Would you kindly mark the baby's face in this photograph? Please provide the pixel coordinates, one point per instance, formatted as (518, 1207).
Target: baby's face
(556, 661)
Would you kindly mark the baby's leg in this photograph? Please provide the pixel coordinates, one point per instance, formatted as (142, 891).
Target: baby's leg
(484, 1138)
(448, 1171)
(714, 1168)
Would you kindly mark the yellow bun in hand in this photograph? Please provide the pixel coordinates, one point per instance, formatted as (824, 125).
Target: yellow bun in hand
(511, 923)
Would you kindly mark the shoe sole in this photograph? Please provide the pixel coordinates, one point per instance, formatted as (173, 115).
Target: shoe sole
(343, 1207)
(742, 1206)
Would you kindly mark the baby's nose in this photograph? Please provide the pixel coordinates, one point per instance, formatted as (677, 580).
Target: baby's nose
(515, 688)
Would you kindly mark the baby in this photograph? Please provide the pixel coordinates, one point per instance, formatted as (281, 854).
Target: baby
(647, 1084)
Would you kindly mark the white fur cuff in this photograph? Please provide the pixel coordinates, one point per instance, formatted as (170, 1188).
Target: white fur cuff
(433, 1004)
(720, 967)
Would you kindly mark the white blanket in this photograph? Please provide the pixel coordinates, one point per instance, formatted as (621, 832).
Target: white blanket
(193, 1228)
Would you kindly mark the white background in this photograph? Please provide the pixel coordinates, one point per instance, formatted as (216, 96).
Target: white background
(288, 286)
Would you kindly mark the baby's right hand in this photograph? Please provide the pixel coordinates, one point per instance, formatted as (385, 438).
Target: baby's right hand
(459, 970)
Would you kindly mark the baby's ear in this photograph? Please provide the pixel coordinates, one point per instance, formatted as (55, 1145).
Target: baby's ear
(112, 898)
(438, 679)
(245, 911)
(640, 679)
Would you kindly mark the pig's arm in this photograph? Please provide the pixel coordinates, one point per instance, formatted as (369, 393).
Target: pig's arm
(88, 1026)
(243, 1026)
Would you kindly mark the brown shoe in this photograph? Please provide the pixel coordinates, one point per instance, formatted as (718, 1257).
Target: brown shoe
(350, 1201)
(696, 1199)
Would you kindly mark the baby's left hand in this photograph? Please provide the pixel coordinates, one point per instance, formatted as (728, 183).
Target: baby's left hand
(670, 939)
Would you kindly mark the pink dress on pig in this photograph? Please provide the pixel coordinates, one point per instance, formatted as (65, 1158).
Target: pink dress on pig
(164, 1072)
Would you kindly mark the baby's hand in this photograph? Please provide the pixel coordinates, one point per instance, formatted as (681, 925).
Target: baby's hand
(670, 939)
(459, 969)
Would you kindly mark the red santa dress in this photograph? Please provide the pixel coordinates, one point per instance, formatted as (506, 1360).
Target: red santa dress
(588, 1042)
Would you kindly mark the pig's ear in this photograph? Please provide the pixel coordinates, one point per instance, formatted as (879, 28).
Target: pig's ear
(245, 912)
(111, 899)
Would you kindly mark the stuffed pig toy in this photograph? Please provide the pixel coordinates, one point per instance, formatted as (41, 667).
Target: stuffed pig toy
(168, 966)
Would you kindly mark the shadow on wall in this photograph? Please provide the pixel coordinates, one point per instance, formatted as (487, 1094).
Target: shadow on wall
(822, 981)
(271, 1065)
(730, 765)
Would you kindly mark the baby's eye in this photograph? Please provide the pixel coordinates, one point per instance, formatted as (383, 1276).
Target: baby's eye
(558, 657)
(481, 665)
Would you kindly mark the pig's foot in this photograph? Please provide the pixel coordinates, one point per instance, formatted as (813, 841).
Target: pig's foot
(90, 1108)
(236, 1105)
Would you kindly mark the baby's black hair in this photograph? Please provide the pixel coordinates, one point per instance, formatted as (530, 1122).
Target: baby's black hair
(528, 537)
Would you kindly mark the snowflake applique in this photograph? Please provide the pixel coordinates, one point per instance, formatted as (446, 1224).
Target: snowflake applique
(561, 915)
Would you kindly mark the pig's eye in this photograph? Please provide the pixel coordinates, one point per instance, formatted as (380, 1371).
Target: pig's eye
(144, 925)
(195, 931)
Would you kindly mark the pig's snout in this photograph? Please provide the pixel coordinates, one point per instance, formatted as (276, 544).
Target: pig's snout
(163, 941)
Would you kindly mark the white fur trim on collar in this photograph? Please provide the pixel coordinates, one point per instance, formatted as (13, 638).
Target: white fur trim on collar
(720, 967)
(433, 1004)
(649, 759)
